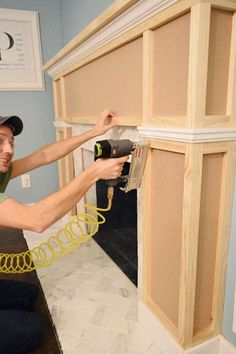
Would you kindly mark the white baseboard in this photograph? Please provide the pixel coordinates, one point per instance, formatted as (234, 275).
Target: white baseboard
(226, 347)
(167, 344)
(209, 347)
(157, 331)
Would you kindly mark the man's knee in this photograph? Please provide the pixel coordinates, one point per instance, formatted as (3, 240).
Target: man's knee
(20, 331)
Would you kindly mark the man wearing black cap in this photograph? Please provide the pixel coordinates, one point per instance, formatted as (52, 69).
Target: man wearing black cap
(20, 329)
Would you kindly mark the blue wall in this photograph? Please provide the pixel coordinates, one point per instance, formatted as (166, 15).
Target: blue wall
(77, 14)
(35, 107)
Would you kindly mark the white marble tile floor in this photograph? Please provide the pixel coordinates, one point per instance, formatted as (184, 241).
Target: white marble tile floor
(92, 303)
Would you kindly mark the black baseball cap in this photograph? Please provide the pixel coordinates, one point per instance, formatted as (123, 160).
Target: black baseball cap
(14, 122)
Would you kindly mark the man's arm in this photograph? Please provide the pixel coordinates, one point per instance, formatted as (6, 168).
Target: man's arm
(52, 152)
(47, 211)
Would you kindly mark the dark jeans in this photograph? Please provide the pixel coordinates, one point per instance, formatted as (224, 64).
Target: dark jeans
(20, 329)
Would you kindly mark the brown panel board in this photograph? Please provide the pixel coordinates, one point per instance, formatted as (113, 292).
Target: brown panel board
(218, 62)
(170, 67)
(114, 81)
(210, 204)
(167, 178)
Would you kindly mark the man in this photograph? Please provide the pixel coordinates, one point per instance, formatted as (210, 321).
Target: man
(20, 329)
(47, 211)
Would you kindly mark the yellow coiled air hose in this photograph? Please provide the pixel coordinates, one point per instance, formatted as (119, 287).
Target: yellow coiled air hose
(65, 240)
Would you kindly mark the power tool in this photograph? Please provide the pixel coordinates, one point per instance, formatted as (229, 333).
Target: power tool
(117, 148)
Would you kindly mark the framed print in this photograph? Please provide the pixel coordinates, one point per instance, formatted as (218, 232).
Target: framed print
(20, 51)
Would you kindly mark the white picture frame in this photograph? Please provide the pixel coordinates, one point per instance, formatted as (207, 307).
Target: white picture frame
(20, 51)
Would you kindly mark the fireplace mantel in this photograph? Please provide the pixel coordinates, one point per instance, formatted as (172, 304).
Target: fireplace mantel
(168, 69)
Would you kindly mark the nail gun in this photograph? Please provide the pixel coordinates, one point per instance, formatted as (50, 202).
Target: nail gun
(118, 148)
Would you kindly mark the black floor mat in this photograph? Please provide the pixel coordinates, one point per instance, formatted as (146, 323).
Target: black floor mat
(12, 241)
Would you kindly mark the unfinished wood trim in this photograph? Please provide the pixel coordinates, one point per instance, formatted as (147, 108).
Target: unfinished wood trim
(198, 64)
(65, 164)
(63, 99)
(214, 121)
(164, 319)
(69, 166)
(69, 158)
(224, 223)
(191, 213)
(145, 206)
(172, 121)
(168, 145)
(216, 147)
(228, 5)
(208, 237)
(55, 98)
(147, 76)
(121, 121)
(204, 335)
(59, 136)
(80, 206)
(111, 13)
(231, 98)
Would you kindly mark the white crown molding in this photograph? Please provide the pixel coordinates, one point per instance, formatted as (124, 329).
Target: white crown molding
(138, 13)
(189, 135)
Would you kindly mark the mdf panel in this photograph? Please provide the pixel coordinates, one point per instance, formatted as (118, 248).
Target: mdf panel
(170, 67)
(114, 81)
(167, 174)
(218, 62)
(207, 241)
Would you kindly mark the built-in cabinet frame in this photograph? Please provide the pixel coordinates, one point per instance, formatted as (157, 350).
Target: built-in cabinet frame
(201, 252)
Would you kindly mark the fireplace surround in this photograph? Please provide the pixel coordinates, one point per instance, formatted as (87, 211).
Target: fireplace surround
(158, 64)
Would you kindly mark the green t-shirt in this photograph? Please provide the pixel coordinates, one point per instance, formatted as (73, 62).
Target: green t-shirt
(4, 180)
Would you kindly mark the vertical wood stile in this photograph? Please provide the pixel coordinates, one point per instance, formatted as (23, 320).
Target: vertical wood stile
(55, 99)
(59, 133)
(69, 165)
(198, 63)
(224, 221)
(190, 229)
(63, 99)
(147, 76)
(231, 98)
(144, 238)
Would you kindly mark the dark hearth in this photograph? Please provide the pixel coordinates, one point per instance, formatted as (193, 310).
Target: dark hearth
(118, 236)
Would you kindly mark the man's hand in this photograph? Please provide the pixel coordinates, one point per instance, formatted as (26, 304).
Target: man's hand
(110, 168)
(105, 122)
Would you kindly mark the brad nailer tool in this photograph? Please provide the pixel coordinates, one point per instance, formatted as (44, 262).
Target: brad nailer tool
(118, 148)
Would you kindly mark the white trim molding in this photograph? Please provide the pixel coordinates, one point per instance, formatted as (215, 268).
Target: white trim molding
(226, 347)
(61, 124)
(135, 15)
(189, 135)
(167, 344)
